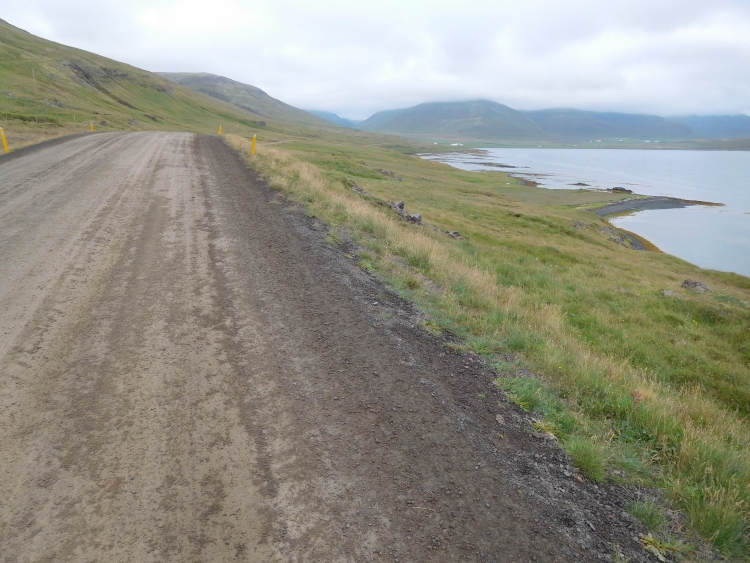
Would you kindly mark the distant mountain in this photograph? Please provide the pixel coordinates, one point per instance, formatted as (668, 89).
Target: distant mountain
(379, 120)
(333, 118)
(583, 125)
(490, 121)
(475, 120)
(243, 96)
(718, 126)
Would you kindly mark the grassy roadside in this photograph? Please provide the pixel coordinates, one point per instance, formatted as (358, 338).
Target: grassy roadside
(638, 386)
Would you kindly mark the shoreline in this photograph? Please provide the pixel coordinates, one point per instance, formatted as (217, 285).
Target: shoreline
(629, 206)
(632, 206)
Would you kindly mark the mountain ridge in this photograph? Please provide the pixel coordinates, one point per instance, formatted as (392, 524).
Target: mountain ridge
(718, 126)
(477, 119)
(492, 121)
(575, 124)
(245, 96)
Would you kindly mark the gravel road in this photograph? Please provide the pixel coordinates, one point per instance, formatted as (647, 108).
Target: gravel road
(188, 372)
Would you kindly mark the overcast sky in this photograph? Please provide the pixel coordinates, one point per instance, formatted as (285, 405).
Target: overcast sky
(355, 57)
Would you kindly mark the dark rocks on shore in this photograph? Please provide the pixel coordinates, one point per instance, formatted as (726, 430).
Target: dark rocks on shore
(621, 190)
(583, 185)
(695, 285)
(623, 239)
(496, 165)
(614, 236)
(641, 204)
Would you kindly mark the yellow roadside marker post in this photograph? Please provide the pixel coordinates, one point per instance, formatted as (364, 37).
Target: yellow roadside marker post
(220, 130)
(91, 124)
(255, 143)
(5, 141)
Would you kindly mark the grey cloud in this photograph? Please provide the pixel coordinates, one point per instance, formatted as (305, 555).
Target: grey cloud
(667, 57)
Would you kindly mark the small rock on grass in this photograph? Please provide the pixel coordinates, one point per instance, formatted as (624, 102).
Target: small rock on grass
(696, 285)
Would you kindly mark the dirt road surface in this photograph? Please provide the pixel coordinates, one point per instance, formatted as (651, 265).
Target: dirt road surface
(189, 373)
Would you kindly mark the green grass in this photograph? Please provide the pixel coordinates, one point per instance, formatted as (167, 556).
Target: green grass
(628, 379)
(648, 513)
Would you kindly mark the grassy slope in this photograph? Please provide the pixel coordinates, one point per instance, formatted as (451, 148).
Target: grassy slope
(247, 97)
(74, 87)
(654, 387)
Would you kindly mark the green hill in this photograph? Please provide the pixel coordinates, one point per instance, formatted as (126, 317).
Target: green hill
(244, 96)
(574, 124)
(475, 120)
(48, 89)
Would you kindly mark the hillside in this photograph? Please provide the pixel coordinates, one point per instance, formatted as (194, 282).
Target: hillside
(476, 120)
(581, 125)
(244, 96)
(49, 89)
(718, 126)
(333, 118)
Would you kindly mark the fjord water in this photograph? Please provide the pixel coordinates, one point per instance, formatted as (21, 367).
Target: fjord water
(711, 237)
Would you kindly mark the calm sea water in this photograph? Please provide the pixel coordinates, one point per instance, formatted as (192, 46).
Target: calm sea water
(711, 237)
